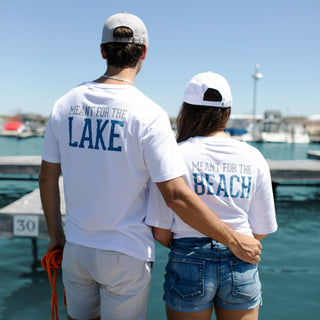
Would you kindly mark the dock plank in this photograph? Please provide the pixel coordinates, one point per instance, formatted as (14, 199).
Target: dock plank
(294, 170)
(280, 169)
(314, 154)
(24, 165)
(28, 205)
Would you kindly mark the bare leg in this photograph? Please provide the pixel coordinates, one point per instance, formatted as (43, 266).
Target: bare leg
(228, 314)
(201, 315)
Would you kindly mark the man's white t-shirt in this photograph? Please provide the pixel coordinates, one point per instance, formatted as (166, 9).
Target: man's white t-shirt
(231, 177)
(110, 140)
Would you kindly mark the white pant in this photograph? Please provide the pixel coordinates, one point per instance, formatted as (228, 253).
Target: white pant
(106, 283)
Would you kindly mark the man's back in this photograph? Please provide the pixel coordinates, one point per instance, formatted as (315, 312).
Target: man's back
(105, 137)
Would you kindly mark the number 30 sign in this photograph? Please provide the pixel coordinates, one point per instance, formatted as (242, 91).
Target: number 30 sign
(26, 225)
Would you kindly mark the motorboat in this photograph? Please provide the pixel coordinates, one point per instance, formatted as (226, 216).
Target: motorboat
(273, 128)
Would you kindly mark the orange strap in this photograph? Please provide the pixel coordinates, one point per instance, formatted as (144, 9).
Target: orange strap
(51, 261)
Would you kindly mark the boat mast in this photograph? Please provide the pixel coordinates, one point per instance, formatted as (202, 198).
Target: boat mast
(257, 75)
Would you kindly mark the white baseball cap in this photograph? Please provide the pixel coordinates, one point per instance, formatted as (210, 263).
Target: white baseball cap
(201, 85)
(140, 34)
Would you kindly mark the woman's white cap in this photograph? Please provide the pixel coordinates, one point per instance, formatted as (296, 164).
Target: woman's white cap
(140, 34)
(198, 90)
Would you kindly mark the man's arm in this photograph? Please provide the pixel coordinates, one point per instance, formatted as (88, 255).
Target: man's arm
(189, 207)
(50, 199)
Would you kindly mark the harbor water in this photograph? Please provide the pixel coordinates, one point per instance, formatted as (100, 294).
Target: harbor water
(289, 268)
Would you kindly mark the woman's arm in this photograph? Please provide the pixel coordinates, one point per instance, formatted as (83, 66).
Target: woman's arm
(259, 236)
(163, 236)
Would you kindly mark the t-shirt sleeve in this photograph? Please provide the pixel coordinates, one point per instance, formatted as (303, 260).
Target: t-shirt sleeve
(50, 151)
(158, 213)
(261, 215)
(161, 153)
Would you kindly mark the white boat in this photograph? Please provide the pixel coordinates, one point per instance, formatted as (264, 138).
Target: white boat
(297, 134)
(274, 129)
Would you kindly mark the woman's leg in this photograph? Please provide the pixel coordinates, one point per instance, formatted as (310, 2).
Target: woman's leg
(228, 314)
(201, 315)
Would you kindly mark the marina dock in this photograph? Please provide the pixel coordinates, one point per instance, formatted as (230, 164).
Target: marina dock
(314, 154)
(294, 170)
(23, 166)
(24, 217)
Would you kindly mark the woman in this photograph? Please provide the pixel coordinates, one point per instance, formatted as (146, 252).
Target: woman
(233, 179)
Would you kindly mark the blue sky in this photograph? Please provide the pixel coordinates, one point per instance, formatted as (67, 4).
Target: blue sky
(48, 47)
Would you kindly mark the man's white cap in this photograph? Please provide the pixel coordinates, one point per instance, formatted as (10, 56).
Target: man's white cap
(140, 34)
(199, 87)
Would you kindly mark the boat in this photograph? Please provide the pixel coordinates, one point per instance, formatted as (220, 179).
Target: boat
(296, 133)
(20, 130)
(273, 128)
(236, 128)
(12, 128)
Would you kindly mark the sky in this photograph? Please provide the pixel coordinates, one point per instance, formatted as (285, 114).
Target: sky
(49, 47)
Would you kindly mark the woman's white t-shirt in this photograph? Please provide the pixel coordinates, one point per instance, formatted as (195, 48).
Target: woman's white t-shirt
(231, 177)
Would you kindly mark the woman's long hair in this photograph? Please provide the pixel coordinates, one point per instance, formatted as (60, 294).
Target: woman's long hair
(196, 120)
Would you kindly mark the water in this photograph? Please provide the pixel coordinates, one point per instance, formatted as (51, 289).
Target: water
(289, 270)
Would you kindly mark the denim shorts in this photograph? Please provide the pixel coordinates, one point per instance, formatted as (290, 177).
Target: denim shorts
(201, 272)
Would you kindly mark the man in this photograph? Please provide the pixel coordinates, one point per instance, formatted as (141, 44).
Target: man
(108, 140)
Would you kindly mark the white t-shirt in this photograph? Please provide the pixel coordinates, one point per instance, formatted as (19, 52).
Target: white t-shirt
(110, 140)
(232, 178)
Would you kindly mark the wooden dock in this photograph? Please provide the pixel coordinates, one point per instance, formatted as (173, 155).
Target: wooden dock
(294, 170)
(24, 217)
(314, 154)
(20, 165)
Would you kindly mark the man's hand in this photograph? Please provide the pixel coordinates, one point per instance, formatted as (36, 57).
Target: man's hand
(56, 244)
(247, 248)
